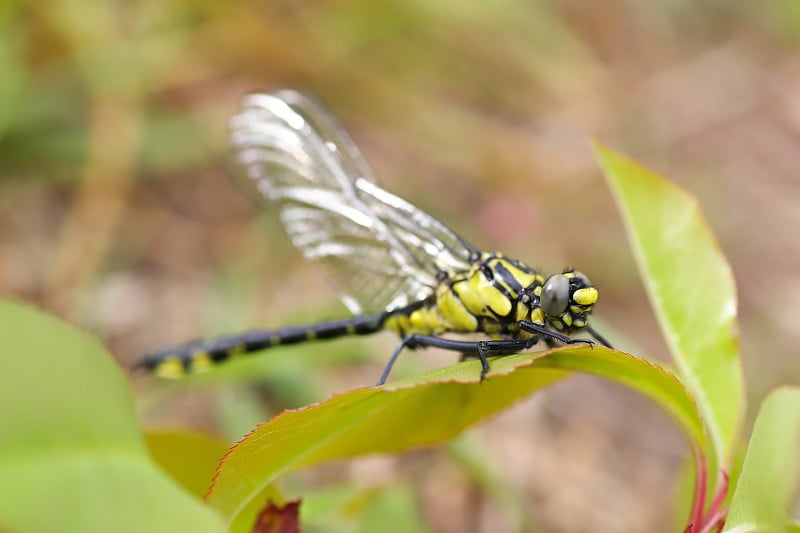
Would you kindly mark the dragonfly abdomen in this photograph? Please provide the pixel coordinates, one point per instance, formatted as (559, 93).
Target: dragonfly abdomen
(196, 357)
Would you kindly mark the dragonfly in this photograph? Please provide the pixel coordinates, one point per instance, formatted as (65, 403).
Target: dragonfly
(394, 266)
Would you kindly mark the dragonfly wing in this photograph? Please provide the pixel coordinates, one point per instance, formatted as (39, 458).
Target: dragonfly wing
(379, 251)
(433, 246)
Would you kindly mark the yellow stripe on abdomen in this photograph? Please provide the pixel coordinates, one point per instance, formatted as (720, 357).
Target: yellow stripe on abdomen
(425, 320)
(170, 368)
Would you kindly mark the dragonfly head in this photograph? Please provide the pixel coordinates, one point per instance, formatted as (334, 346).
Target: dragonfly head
(567, 300)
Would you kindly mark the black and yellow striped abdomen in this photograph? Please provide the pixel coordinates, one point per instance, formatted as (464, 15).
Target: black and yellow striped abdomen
(196, 357)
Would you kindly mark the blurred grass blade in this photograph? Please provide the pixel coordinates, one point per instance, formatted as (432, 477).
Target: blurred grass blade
(771, 470)
(691, 288)
(72, 458)
(426, 411)
(393, 509)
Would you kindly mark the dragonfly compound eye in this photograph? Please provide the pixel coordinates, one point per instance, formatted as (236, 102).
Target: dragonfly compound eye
(555, 295)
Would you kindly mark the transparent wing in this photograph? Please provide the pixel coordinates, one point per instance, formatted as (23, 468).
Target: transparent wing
(380, 251)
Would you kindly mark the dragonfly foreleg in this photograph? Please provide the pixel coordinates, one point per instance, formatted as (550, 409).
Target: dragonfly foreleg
(549, 335)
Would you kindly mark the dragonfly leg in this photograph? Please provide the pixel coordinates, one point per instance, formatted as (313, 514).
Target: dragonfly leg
(549, 335)
(599, 337)
(479, 349)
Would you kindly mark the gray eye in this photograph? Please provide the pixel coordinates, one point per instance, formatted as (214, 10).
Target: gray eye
(555, 295)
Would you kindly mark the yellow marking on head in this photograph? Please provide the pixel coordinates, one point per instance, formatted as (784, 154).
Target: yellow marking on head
(569, 275)
(567, 319)
(579, 323)
(585, 296)
(171, 368)
(201, 362)
(538, 291)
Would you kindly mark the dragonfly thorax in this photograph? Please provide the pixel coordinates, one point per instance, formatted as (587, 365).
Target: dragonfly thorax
(498, 292)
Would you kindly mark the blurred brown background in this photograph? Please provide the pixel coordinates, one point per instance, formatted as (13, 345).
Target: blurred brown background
(118, 213)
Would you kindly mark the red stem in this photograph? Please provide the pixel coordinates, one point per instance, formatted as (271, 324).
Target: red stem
(699, 496)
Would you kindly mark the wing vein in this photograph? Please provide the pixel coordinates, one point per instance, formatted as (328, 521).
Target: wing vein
(379, 250)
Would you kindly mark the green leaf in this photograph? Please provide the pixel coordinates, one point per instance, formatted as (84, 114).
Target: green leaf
(426, 411)
(190, 458)
(71, 454)
(771, 470)
(691, 288)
